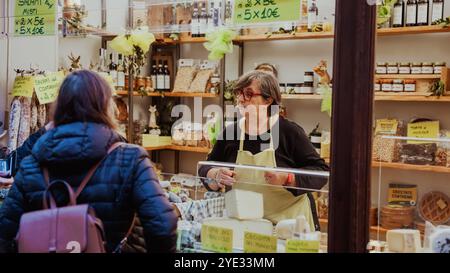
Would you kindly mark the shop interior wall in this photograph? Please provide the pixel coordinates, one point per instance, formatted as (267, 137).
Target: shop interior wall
(3, 66)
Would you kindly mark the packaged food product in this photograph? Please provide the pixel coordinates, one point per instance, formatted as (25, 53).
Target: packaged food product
(200, 82)
(185, 75)
(385, 149)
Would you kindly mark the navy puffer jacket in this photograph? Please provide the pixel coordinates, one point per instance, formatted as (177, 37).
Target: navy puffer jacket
(124, 183)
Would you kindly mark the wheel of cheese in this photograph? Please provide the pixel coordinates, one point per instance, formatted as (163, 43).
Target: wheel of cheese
(435, 207)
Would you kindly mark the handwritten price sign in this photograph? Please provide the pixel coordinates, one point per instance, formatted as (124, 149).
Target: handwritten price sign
(266, 11)
(47, 87)
(34, 17)
(217, 239)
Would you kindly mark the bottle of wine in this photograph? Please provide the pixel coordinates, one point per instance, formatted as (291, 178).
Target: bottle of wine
(399, 14)
(167, 86)
(120, 73)
(203, 21)
(194, 21)
(113, 68)
(423, 12)
(411, 13)
(160, 77)
(102, 69)
(154, 74)
(313, 13)
(437, 11)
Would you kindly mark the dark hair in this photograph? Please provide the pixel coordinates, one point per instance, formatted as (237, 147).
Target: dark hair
(84, 96)
(267, 67)
(268, 84)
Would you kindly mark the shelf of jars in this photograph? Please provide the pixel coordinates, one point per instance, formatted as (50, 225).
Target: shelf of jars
(170, 94)
(409, 76)
(385, 96)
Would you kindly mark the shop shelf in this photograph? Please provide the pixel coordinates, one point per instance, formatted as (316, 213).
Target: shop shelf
(171, 94)
(411, 30)
(201, 150)
(408, 76)
(412, 98)
(410, 167)
(373, 229)
(301, 97)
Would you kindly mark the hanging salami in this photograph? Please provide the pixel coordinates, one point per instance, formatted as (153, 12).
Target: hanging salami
(14, 123)
(25, 120)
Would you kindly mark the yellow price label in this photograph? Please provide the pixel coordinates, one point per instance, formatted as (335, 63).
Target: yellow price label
(259, 243)
(427, 129)
(386, 126)
(47, 87)
(23, 86)
(217, 239)
(302, 246)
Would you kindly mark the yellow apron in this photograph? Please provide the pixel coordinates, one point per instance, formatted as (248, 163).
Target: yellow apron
(279, 203)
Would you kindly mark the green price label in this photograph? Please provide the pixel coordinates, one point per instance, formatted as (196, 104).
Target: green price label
(23, 86)
(217, 239)
(47, 87)
(302, 246)
(259, 243)
(266, 11)
(34, 17)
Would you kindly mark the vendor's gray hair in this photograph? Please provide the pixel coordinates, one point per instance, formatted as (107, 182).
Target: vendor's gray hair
(268, 84)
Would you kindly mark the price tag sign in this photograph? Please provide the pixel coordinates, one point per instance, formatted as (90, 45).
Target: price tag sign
(23, 86)
(266, 11)
(47, 87)
(386, 126)
(259, 243)
(34, 18)
(217, 239)
(302, 246)
(427, 129)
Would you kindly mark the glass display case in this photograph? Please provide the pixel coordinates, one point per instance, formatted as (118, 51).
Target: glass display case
(412, 215)
(266, 210)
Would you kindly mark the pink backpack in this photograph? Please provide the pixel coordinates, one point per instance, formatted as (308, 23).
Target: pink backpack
(70, 229)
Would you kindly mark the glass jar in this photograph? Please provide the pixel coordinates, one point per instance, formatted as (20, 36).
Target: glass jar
(405, 68)
(215, 83)
(140, 83)
(397, 86)
(309, 77)
(427, 68)
(386, 85)
(438, 67)
(307, 88)
(126, 83)
(381, 68)
(282, 88)
(416, 68)
(148, 84)
(409, 85)
(392, 68)
(377, 87)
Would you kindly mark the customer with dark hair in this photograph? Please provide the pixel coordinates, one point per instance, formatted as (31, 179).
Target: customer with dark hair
(123, 185)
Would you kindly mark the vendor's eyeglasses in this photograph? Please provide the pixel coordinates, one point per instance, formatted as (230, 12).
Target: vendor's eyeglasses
(247, 93)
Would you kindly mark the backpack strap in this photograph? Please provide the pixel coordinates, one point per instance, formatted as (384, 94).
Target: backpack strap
(125, 239)
(90, 172)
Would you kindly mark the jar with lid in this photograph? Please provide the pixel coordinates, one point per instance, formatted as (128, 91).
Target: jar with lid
(381, 68)
(409, 85)
(427, 68)
(140, 83)
(386, 85)
(438, 67)
(309, 78)
(127, 82)
(307, 88)
(377, 87)
(404, 68)
(149, 84)
(392, 68)
(397, 86)
(416, 68)
(282, 88)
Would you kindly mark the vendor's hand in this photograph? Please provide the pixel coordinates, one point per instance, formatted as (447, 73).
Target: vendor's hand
(223, 177)
(6, 181)
(276, 178)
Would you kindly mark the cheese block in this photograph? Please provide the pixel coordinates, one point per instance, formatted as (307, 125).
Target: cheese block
(244, 205)
(404, 240)
(286, 229)
(260, 226)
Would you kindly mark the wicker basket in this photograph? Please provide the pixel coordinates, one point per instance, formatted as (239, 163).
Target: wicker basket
(397, 217)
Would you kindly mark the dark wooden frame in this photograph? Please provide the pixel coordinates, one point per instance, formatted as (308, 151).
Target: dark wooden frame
(354, 51)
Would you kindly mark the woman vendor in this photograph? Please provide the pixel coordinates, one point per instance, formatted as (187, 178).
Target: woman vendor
(284, 145)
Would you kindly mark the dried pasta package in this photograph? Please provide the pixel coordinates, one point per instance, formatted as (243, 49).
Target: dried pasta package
(418, 154)
(187, 69)
(386, 149)
(203, 77)
(443, 149)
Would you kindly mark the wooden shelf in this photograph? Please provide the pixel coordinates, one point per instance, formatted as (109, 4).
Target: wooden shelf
(171, 94)
(411, 30)
(301, 97)
(202, 150)
(274, 37)
(400, 97)
(409, 76)
(410, 167)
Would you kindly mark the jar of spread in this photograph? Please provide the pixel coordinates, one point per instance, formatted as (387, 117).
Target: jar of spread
(409, 85)
(427, 68)
(140, 83)
(309, 77)
(405, 68)
(397, 86)
(148, 84)
(290, 88)
(392, 68)
(386, 85)
(377, 87)
(307, 88)
(381, 68)
(416, 68)
(438, 67)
